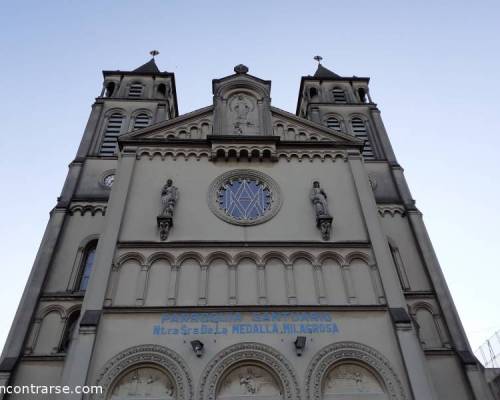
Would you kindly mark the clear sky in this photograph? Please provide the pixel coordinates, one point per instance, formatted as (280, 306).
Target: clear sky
(434, 69)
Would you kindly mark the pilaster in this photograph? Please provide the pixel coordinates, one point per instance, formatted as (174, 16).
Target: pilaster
(411, 351)
(78, 360)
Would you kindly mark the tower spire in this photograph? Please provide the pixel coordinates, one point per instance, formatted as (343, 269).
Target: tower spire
(154, 53)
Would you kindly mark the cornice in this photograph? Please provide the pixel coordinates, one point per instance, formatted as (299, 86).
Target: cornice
(203, 244)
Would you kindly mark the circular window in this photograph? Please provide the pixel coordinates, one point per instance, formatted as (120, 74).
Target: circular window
(244, 197)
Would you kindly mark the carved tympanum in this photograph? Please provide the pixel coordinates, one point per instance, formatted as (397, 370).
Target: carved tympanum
(144, 383)
(249, 382)
(243, 114)
(352, 379)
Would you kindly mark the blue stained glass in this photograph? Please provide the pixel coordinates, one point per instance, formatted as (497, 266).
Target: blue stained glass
(244, 199)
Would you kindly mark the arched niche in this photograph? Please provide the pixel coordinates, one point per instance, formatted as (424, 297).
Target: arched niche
(335, 281)
(189, 282)
(249, 371)
(126, 289)
(249, 381)
(158, 280)
(304, 281)
(276, 281)
(218, 282)
(354, 371)
(353, 381)
(427, 329)
(47, 341)
(143, 372)
(363, 282)
(247, 281)
(144, 382)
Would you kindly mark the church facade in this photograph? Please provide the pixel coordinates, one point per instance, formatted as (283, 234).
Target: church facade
(238, 251)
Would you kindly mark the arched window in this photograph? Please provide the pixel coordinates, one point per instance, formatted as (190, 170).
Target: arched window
(141, 121)
(86, 266)
(110, 89)
(113, 130)
(68, 331)
(333, 123)
(359, 130)
(339, 95)
(135, 90)
(162, 90)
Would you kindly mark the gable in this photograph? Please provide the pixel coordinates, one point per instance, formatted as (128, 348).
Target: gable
(199, 125)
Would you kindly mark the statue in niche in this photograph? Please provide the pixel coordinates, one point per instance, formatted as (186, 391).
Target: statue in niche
(169, 197)
(241, 106)
(320, 203)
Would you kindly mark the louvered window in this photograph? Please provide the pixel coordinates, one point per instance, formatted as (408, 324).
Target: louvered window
(339, 96)
(141, 121)
(113, 130)
(359, 130)
(333, 123)
(135, 90)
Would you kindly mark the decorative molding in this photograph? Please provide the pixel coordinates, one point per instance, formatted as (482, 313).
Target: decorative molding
(275, 192)
(85, 208)
(311, 155)
(253, 353)
(391, 209)
(146, 354)
(174, 153)
(337, 353)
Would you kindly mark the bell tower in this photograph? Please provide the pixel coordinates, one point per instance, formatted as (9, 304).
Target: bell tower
(129, 100)
(342, 104)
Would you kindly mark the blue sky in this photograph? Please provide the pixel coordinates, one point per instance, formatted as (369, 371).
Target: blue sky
(435, 75)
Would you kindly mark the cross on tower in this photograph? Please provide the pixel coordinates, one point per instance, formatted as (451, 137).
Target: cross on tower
(154, 53)
(318, 59)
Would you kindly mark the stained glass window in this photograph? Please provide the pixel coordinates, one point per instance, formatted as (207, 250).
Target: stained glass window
(244, 199)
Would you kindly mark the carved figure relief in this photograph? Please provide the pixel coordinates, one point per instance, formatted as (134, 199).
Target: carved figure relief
(320, 203)
(350, 379)
(243, 115)
(249, 381)
(144, 382)
(169, 197)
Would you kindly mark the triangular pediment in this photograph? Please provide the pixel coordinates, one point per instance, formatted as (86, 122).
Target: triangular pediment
(198, 125)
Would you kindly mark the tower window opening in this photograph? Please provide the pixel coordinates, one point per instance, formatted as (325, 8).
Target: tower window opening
(113, 130)
(162, 90)
(333, 123)
(339, 95)
(135, 90)
(360, 131)
(362, 95)
(87, 265)
(141, 121)
(110, 89)
(313, 92)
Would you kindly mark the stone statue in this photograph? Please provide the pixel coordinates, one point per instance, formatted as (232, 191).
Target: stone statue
(320, 203)
(319, 200)
(169, 197)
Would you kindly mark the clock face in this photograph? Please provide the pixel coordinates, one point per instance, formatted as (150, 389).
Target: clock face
(108, 180)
